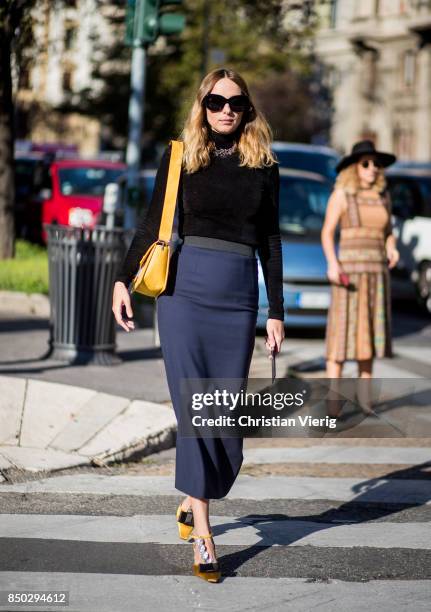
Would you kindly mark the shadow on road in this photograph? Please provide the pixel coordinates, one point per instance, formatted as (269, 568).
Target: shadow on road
(22, 324)
(359, 510)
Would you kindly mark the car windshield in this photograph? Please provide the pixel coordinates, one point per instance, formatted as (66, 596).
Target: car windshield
(29, 176)
(24, 177)
(425, 187)
(313, 162)
(87, 180)
(302, 205)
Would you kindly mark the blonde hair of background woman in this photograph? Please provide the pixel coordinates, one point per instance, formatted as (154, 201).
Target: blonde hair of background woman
(254, 145)
(348, 180)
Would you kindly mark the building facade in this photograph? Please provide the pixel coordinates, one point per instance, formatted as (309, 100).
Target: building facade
(378, 59)
(66, 36)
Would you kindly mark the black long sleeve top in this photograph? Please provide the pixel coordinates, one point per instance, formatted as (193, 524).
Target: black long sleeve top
(224, 201)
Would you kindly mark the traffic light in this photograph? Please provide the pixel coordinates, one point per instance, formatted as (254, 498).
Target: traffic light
(130, 21)
(148, 19)
(170, 23)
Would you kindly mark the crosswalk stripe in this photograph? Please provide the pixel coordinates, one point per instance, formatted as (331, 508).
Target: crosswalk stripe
(338, 454)
(259, 531)
(109, 592)
(388, 490)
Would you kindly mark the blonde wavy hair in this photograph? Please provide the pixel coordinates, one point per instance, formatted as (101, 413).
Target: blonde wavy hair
(348, 180)
(254, 145)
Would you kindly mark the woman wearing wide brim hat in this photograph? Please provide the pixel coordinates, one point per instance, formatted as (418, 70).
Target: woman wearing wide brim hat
(362, 149)
(359, 317)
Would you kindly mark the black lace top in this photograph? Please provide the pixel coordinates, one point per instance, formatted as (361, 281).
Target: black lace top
(223, 201)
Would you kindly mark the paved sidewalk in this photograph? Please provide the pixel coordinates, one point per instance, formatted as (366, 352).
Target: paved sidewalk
(140, 375)
(55, 415)
(48, 426)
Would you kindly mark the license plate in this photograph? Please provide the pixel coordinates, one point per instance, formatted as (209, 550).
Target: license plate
(313, 300)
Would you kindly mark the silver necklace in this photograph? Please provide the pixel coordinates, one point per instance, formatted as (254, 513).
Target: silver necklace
(225, 152)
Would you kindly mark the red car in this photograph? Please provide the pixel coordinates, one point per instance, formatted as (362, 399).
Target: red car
(75, 194)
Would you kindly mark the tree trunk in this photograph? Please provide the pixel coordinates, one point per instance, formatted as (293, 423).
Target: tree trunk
(7, 185)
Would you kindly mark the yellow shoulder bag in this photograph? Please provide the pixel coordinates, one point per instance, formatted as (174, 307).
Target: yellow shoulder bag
(152, 275)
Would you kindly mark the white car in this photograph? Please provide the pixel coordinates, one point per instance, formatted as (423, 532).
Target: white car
(410, 190)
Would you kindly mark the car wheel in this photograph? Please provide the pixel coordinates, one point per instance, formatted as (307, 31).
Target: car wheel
(424, 285)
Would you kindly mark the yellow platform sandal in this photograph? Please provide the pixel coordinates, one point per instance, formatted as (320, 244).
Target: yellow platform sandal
(185, 522)
(209, 570)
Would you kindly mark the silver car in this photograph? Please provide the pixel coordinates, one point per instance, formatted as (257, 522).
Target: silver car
(303, 200)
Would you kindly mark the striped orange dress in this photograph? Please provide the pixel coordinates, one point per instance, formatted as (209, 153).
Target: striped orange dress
(359, 317)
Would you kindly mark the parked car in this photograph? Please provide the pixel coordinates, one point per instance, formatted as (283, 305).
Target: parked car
(143, 195)
(314, 158)
(303, 200)
(76, 190)
(31, 173)
(51, 150)
(410, 190)
(412, 165)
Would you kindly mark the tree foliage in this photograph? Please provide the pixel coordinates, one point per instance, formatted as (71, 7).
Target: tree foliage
(256, 38)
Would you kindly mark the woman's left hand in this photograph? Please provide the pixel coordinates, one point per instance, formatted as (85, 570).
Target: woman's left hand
(275, 330)
(393, 256)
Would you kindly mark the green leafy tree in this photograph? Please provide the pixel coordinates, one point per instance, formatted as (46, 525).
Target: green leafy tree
(257, 38)
(297, 105)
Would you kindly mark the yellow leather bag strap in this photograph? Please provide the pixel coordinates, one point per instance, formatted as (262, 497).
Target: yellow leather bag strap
(165, 231)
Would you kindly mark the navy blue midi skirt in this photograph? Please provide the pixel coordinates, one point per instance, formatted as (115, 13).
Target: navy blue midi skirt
(207, 327)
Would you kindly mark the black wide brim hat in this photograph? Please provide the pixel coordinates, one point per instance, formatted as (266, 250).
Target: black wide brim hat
(365, 147)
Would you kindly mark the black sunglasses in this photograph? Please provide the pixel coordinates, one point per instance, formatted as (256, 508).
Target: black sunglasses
(216, 103)
(367, 162)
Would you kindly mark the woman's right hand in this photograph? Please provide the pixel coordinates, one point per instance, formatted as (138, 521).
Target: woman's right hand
(333, 272)
(121, 297)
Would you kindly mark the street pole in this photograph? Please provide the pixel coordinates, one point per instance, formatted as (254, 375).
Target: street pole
(133, 155)
(136, 124)
(205, 38)
(145, 21)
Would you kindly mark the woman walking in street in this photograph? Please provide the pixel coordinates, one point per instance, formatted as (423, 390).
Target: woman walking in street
(359, 318)
(227, 210)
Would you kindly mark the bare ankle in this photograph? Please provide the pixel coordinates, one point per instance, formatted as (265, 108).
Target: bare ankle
(186, 504)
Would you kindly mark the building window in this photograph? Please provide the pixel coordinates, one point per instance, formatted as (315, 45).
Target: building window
(331, 77)
(409, 68)
(420, 5)
(369, 74)
(69, 37)
(403, 143)
(67, 80)
(367, 134)
(24, 78)
(372, 74)
(333, 13)
(385, 8)
(364, 9)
